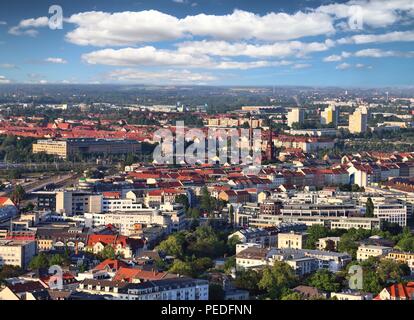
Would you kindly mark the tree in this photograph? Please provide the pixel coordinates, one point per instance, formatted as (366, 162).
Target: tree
(183, 199)
(181, 268)
(248, 279)
(390, 271)
(277, 278)
(315, 232)
(231, 244)
(39, 262)
(324, 280)
(230, 264)
(8, 271)
(369, 212)
(206, 203)
(330, 245)
(291, 295)
(172, 246)
(215, 292)
(231, 214)
(57, 259)
(201, 265)
(18, 194)
(108, 253)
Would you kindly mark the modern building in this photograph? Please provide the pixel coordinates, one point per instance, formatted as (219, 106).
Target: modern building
(17, 252)
(364, 251)
(329, 116)
(358, 122)
(391, 212)
(165, 289)
(293, 240)
(296, 115)
(68, 147)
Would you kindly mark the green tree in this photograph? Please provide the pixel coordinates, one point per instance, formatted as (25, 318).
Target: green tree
(183, 199)
(108, 253)
(182, 268)
(173, 245)
(231, 244)
(390, 271)
(39, 262)
(277, 278)
(369, 211)
(215, 292)
(324, 280)
(291, 295)
(248, 279)
(57, 259)
(229, 264)
(315, 232)
(18, 194)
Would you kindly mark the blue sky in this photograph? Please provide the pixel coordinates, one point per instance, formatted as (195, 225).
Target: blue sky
(227, 42)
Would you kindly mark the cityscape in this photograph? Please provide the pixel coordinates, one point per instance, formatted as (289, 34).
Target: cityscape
(227, 151)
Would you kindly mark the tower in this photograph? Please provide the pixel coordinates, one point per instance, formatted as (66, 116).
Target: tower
(270, 150)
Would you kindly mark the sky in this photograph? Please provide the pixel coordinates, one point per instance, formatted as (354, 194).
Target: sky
(357, 43)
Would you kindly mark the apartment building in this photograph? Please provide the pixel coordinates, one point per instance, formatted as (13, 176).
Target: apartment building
(296, 115)
(165, 289)
(292, 240)
(17, 252)
(364, 251)
(68, 147)
(77, 203)
(391, 212)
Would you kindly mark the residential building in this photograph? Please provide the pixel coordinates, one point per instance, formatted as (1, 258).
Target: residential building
(358, 122)
(17, 252)
(292, 240)
(296, 115)
(366, 251)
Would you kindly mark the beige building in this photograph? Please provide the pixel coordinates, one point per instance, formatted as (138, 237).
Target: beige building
(72, 203)
(52, 147)
(358, 122)
(292, 240)
(364, 252)
(324, 242)
(295, 115)
(67, 147)
(16, 253)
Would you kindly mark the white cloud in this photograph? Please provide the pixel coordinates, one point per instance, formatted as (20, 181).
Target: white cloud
(130, 28)
(150, 56)
(301, 66)
(378, 53)
(123, 28)
(278, 49)
(3, 23)
(28, 26)
(4, 80)
(374, 13)
(343, 66)
(145, 56)
(396, 36)
(336, 58)
(8, 66)
(56, 60)
(270, 27)
(161, 77)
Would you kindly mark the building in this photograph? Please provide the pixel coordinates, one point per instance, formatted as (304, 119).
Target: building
(7, 208)
(293, 240)
(364, 252)
(77, 203)
(403, 257)
(17, 252)
(324, 243)
(397, 291)
(330, 116)
(358, 122)
(165, 289)
(391, 212)
(351, 295)
(86, 146)
(296, 115)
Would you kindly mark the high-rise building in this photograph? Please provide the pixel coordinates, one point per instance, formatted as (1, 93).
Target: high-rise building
(295, 115)
(358, 122)
(330, 115)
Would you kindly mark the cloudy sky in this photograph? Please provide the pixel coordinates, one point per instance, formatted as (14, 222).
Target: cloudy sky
(218, 42)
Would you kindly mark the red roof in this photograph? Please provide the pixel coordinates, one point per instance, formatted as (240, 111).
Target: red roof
(128, 274)
(111, 264)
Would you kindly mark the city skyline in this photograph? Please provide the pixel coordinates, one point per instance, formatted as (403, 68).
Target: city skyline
(181, 42)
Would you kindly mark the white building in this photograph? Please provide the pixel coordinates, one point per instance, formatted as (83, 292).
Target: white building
(16, 252)
(364, 252)
(391, 212)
